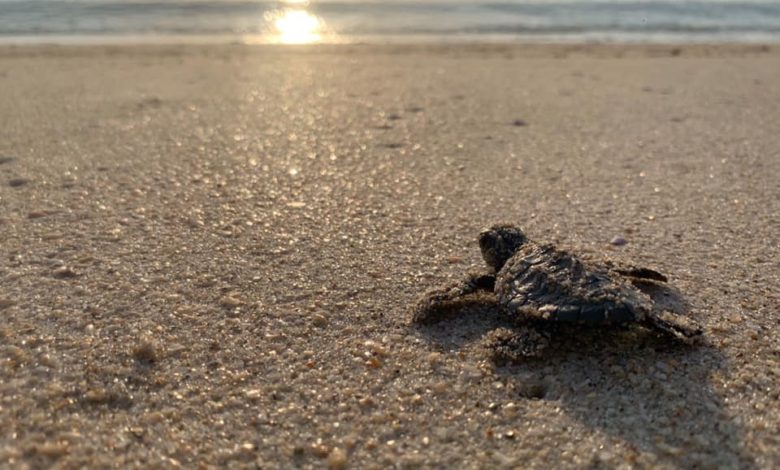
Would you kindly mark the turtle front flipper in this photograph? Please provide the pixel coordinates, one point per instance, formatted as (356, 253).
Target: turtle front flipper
(431, 305)
(673, 325)
(522, 342)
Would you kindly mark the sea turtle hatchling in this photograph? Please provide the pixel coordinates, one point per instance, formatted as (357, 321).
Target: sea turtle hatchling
(542, 287)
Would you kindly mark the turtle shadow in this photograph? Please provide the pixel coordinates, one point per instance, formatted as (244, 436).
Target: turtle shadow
(651, 395)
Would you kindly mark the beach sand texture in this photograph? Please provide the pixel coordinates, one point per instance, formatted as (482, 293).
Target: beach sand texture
(208, 254)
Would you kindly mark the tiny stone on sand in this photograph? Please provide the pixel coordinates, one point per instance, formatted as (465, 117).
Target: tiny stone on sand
(146, 351)
(16, 182)
(618, 241)
(337, 460)
(64, 272)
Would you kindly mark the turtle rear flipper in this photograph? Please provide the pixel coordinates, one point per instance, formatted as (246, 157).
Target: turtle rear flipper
(640, 273)
(633, 272)
(517, 344)
(673, 325)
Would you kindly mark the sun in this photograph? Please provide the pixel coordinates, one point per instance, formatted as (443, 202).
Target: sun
(295, 26)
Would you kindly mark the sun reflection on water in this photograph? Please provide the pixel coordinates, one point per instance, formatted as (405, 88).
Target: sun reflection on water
(295, 25)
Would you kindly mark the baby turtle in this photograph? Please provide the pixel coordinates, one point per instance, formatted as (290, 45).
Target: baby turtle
(540, 287)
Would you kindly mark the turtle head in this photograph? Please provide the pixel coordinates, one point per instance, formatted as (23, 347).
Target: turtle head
(499, 243)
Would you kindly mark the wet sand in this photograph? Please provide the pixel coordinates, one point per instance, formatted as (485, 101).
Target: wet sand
(208, 254)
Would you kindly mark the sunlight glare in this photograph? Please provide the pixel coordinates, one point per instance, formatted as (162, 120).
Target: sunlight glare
(297, 27)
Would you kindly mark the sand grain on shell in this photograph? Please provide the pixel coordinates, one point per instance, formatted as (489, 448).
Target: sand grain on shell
(231, 238)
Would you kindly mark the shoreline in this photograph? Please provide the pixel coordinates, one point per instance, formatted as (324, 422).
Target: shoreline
(328, 39)
(517, 49)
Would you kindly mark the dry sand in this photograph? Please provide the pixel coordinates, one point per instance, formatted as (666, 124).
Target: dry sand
(208, 254)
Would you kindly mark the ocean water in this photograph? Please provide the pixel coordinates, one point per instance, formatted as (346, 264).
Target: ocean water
(297, 21)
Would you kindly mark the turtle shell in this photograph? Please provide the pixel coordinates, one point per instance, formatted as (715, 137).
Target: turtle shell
(540, 282)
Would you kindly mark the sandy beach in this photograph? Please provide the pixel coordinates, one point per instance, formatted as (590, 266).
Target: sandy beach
(208, 254)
